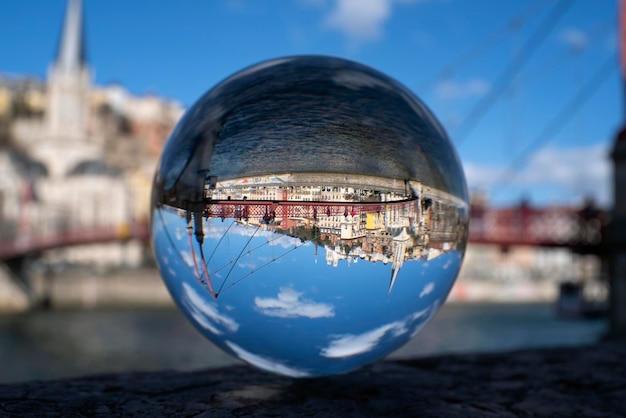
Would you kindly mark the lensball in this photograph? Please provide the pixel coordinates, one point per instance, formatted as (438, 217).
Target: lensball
(309, 215)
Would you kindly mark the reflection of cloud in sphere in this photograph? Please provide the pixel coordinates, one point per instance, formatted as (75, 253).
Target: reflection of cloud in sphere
(266, 363)
(353, 344)
(428, 289)
(205, 312)
(187, 258)
(289, 304)
(431, 312)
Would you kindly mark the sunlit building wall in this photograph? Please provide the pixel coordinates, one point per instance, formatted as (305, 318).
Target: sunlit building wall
(97, 145)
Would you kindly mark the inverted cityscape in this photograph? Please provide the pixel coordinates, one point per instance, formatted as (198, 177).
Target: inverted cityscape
(309, 215)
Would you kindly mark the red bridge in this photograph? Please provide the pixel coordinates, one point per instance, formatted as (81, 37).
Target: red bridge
(554, 226)
(259, 209)
(28, 242)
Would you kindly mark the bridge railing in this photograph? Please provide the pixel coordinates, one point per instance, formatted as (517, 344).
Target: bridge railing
(551, 226)
(32, 240)
(523, 225)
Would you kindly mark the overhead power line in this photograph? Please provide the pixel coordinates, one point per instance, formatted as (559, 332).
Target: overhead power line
(559, 121)
(514, 24)
(511, 71)
(555, 60)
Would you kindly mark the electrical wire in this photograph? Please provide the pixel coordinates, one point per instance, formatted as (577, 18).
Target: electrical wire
(559, 121)
(514, 24)
(565, 55)
(510, 71)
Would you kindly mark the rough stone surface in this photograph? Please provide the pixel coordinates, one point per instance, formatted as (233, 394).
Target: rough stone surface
(581, 381)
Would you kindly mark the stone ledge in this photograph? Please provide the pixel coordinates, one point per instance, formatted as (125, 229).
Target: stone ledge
(581, 381)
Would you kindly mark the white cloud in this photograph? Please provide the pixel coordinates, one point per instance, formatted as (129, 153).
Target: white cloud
(480, 176)
(347, 345)
(428, 288)
(568, 165)
(266, 363)
(578, 171)
(583, 171)
(427, 314)
(350, 344)
(205, 312)
(247, 265)
(289, 304)
(360, 20)
(453, 90)
(574, 38)
(187, 258)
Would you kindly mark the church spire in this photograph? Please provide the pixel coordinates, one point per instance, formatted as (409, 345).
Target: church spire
(68, 99)
(71, 55)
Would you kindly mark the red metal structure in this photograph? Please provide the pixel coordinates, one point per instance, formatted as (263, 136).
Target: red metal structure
(33, 242)
(260, 209)
(555, 226)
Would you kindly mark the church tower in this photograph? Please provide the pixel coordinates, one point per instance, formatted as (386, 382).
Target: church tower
(68, 81)
(66, 140)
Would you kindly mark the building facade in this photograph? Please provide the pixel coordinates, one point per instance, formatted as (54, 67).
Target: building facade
(85, 154)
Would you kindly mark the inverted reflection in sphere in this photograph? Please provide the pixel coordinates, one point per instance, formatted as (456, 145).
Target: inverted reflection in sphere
(309, 215)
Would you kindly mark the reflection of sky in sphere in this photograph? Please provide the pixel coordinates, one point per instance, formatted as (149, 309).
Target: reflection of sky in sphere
(281, 310)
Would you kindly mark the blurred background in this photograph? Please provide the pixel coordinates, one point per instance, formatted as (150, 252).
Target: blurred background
(529, 91)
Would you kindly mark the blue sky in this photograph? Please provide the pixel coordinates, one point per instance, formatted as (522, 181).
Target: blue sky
(180, 49)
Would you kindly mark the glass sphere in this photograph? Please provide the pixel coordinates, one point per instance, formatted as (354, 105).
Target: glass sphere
(309, 215)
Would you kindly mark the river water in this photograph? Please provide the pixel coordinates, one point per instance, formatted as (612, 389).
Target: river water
(67, 343)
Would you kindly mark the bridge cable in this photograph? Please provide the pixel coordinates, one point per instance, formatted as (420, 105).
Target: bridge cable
(237, 259)
(250, 250)
(510, 71)
(219, 242)
(206, 272)
(262, 266)
(559, 121)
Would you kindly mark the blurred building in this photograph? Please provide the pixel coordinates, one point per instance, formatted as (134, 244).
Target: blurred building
(77, 155)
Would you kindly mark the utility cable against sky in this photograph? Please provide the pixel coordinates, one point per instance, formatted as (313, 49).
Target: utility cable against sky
(559, 121)
(555, 60)
(510, 71)
(513, 25)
